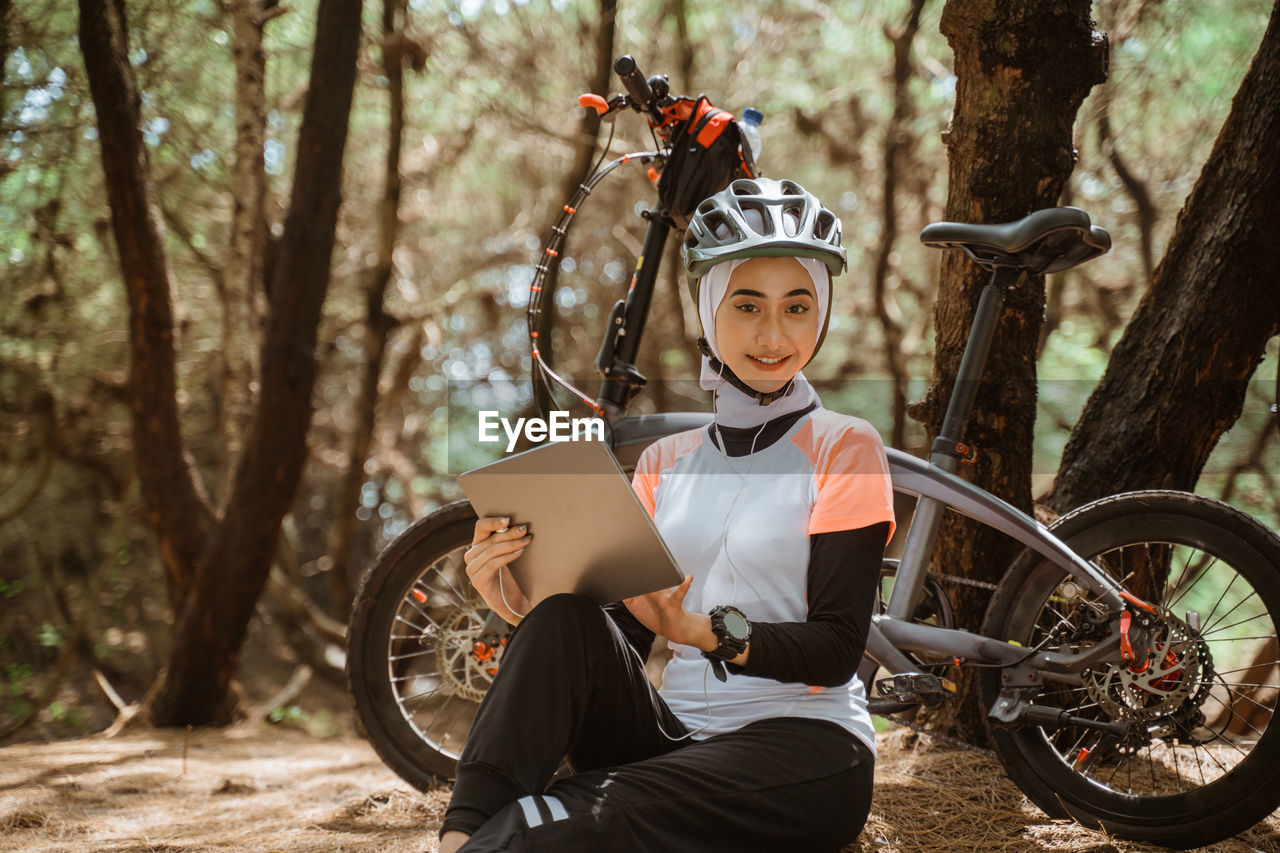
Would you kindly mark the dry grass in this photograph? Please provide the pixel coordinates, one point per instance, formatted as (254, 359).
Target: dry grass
(265, 789)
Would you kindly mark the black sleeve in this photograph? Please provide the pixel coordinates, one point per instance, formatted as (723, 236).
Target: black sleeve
(825, 650)
(638, 636)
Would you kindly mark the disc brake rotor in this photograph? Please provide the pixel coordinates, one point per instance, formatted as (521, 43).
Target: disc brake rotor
(467, 660)
(1159, 688)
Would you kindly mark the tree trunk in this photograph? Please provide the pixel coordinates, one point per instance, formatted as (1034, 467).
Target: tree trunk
(378, 323)
(242, 282)
(1022, 70)
(174, 511)
(1177, 378)
(897, 140)
(232, 572)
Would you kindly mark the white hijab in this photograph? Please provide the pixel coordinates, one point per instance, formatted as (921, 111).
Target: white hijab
(733, 408)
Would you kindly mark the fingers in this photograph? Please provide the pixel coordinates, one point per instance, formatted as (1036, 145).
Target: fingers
(679, 591)
(498, 555)
(487, 526)
(493, 537)
(499, 550)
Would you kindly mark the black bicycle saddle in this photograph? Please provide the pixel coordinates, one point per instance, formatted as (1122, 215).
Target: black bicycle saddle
(1049, 240)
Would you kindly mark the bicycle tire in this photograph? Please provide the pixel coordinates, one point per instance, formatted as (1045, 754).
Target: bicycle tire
(413, 677)
(1073, 772)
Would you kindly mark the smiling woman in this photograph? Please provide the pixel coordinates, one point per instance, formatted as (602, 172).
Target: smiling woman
(767, 328)
(778, 513)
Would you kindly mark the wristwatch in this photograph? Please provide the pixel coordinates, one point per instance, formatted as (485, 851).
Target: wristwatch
(733, 632)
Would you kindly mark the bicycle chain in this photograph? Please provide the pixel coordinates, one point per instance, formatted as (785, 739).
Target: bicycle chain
(956, 579)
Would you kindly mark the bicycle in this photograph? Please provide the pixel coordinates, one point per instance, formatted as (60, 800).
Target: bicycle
(1105, 705)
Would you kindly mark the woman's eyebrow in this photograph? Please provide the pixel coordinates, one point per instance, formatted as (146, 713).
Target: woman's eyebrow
(799, 291)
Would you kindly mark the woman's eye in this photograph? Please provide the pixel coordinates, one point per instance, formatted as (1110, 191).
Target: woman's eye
(748, 307)
(797, 308)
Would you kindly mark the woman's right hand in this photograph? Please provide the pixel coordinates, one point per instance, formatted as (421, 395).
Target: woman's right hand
(494, 545)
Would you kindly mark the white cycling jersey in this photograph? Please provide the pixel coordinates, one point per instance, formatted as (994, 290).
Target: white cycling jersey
(741, 527)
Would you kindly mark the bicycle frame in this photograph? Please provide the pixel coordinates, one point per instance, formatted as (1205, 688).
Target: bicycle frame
(934, 483)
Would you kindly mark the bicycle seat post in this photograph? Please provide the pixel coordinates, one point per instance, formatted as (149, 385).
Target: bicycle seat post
(972, 364)
(946, 453)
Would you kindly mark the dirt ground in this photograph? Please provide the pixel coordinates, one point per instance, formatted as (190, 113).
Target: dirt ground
(265, 788)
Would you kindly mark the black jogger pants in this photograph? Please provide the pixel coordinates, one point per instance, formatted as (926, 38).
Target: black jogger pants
(571, 687)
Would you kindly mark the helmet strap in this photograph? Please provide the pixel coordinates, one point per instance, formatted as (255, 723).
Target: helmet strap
(764, 398)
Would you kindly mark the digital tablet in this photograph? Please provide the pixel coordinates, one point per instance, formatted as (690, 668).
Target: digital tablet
(591, 534)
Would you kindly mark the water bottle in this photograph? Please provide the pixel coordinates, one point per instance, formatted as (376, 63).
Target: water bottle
(752, 118)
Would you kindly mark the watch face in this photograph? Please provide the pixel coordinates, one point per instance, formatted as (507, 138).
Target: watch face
(735, 625)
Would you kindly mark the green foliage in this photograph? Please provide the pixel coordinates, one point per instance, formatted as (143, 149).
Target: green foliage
(14, 687)
(49, 636)
(319, 723)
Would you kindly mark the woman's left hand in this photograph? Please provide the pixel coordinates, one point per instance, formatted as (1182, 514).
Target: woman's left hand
(663, 612)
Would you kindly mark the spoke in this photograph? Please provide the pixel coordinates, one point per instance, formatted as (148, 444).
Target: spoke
(1214, 758)
(404, 699)
(441, 574)
(1151, 767)
(1116, 769)
(420, 629)
(398, 678)
(1208, 619)
(414, 605)
(1211, 627)
(1233, 713)
(1241, 622)
(1074, 749)
(448, 729)
(408, 655)
(1248, 668)
(1174, 584)
(1248, 698)
(1199, 577)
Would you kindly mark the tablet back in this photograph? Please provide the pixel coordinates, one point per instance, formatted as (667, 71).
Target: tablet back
(591, 534)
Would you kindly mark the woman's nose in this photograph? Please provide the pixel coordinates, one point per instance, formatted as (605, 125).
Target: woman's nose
(769, 332)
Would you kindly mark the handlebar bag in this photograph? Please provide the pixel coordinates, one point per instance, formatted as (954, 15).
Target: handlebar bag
(705, 156)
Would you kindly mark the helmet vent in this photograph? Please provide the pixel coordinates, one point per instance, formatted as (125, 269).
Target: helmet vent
(744, 187)
(823, 227)
(756, 215)
(720, 226)
(791, 188)
(792, 216)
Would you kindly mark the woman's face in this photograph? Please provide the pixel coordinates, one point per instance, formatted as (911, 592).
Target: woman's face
(767, 323)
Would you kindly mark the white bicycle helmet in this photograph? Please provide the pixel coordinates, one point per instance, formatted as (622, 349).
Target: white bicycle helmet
(761, 217)
(755, 218)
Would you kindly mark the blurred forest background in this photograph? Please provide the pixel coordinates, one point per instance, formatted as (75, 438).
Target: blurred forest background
(423, 320)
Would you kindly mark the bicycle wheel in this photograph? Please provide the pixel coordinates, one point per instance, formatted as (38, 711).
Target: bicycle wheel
(419, 655)
(1202, 760)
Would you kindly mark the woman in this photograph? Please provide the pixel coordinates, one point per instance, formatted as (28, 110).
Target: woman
(779, 513)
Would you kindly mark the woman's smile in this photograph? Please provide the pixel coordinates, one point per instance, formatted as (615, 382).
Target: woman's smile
(770, 362)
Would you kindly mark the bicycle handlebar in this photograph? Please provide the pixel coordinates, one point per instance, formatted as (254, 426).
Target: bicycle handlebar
(637, 85)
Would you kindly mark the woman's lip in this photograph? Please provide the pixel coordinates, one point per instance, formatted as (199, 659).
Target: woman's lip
(778, 365)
